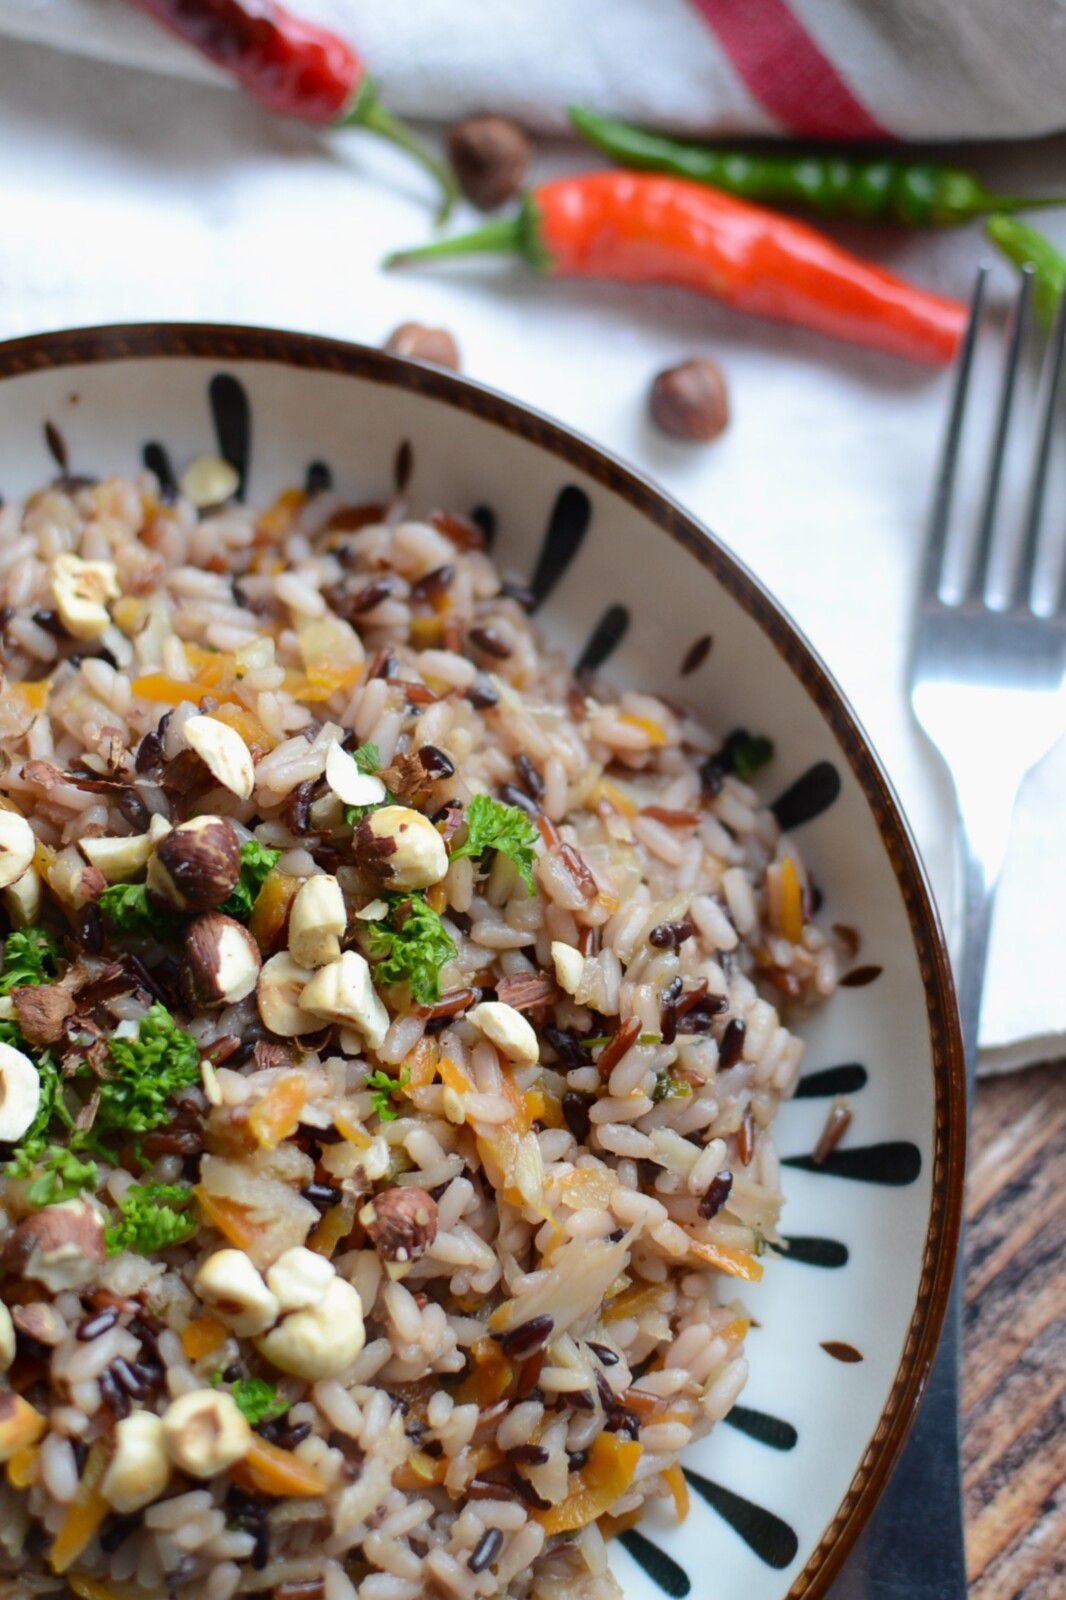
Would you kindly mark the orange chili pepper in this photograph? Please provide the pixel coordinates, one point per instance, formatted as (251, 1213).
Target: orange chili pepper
(644, 228)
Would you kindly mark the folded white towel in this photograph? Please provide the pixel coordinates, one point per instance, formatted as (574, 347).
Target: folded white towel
(917, 69)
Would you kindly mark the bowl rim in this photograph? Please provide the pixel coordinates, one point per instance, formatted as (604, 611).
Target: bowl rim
(109, 343)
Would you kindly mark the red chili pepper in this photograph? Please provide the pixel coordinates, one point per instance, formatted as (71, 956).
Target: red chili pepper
(292, 67)
(643, 228)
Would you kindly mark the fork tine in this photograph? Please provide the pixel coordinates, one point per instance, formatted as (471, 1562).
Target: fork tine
(940, 510)
(1034, 499)
(978, 573)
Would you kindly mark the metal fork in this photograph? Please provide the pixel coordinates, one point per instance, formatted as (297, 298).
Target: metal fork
(986, 686)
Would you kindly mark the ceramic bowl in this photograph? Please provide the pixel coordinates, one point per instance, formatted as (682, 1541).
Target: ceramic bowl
(624, 579)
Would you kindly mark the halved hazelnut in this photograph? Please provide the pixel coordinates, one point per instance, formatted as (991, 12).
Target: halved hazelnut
(20, 1092)
(209, 481)
(317, 921)
(282, 982)
(196, 865)
(400, 848)
(344, 992)
(80, 590)
(401, 1222)
(222, 961)
(22, 899)
(353, 787)
(17, 847)
(205, 1433)
(60, 1246)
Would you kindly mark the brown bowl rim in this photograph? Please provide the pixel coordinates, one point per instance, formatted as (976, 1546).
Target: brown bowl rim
(233, 342)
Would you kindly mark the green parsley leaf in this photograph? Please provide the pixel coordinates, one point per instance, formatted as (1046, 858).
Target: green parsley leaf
(60, 1176)
(51, 1107)
(382, 1088)
(31, 956)
(746, 752)
(490, 825)
(152, 1216)
(367, 758)
(146, 1070)
(668, 1087)
(129, 910)
(257, 861)
(255, 1397)
(410, 945)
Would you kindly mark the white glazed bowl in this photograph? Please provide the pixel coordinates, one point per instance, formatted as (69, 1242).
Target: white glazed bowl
(846, 1328)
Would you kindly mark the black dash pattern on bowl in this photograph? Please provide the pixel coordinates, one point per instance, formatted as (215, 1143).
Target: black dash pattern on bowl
(848, 1078)
(813, 792)
(662, 1569)
(769, 1535)
(57, 446)
(604, 639)
(484, 517)
(840, 1350)
(232, 417)
(696, 655)
(813, 1251)
(896, 1163)
(760, 1425)
(318, 478)
(567, 527)
(156, 458)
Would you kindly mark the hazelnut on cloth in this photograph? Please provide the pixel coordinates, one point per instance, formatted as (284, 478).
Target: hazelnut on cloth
(690, 401)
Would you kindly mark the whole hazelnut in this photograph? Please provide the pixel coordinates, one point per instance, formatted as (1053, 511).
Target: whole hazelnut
(491, 156)
(690, 401)
(221, 961)
(400, 848)
(196, 865)
(419, 343)
(401, 1222)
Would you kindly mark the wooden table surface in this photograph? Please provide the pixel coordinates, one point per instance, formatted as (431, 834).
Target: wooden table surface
(1014, 1354)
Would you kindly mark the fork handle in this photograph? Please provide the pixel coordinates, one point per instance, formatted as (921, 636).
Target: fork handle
(913, 1548)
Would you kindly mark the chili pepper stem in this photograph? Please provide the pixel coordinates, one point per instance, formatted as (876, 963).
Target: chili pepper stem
(503, 236)
(366, 111)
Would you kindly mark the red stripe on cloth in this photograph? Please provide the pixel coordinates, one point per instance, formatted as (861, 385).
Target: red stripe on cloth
(787, 71)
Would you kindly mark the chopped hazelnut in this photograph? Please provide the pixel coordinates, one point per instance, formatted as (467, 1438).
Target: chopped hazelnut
(317, 921)
(209, 481)
(20, 1092)
(401, 1222)
(7, 1338)
(205, 1433)
(61, 1246)
(223, 752)
(569, 965)
(507, 1029)
(232, 1285)
(43, 1011)
(221, 961)
(41, 1322)
(72, 880)
(80, 590)
(299, 1278)
(419, 343)
(320, 1342)
(118, 858)
(196, 865)
(22, 899)
(139, 1469)
(17, 847)
(400, 848)
(491, 156)
(282, 982)
(344, 992)
(352, 787)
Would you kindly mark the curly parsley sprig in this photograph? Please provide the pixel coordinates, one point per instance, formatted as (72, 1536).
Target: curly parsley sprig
(491, 825)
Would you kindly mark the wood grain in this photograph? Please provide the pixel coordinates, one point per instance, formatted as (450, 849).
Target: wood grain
(1014, 1340)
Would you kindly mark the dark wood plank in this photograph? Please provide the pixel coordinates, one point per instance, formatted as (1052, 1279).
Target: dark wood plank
(1014, 1345)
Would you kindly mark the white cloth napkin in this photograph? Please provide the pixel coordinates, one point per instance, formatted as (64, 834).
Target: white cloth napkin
(920, 69)
(128, 196)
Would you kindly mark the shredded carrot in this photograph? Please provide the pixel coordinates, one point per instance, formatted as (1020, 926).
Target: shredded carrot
(491, 1377)
(335, 1226)
(791, 902)
(588, 1186)
(248, 726)
(421, 1064)
(277, 1114)
(437, 896)
(736, 1330)
(656, 734)
(274, 523)
(348, 1128)
(738, 1263)
(228, 1217)
(679, 1489)
(200, 1336)
(268, 1469)
(453, 1076)
(22, 1468)
(632, 1301)
(611, 1527)
(87, 1588)
(616, 798)
(84, 1514)
(271, 910)
(603, 1479)
(419, 1471)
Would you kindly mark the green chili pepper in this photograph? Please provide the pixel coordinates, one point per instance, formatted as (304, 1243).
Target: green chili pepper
(918, 193)
(1025, 247)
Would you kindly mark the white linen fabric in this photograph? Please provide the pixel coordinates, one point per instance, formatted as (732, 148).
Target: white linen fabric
(129, 196)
